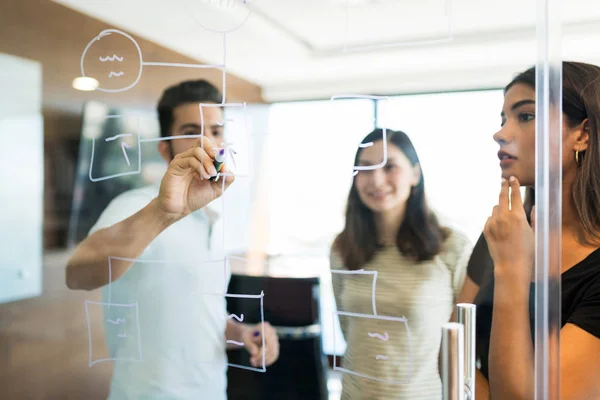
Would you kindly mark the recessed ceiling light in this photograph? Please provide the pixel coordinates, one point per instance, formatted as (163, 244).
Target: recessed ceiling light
(85, 83)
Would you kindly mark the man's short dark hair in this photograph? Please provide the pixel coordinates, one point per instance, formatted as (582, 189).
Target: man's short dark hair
(197, 91)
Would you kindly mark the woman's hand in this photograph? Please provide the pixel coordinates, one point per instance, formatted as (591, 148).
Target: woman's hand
(510, 239)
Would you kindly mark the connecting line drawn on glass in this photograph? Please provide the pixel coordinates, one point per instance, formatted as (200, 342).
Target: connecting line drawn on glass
(362, 272)
(228, 146)
(235, 19)
(123, 334)
(358, 168)
(142, 63)
(262, 324)
(446, 37)
(366, 375)
(125, 146)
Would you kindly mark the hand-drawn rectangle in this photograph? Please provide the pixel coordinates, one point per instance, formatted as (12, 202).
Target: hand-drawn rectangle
(251, 302)
(347, 273)
(237, 138)
(379, 99)
(123, 148)
(392, 329)
(121, 321)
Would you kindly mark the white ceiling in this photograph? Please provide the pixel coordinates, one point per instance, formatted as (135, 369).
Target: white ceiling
(318, 48)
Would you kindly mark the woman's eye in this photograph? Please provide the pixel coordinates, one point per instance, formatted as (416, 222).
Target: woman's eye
(390, 167)
(526, 117)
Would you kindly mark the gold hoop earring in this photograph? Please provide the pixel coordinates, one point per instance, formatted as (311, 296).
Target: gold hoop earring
(577, 157)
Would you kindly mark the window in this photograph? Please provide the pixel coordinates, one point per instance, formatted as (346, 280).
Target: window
(452, 133)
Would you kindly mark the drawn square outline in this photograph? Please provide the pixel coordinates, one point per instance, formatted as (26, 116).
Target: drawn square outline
(395, 43)
(245, 123)
(225, 294)
(244, 296)
(379, 317)
(89, 326)
(118, 174)
(262, 324)
(382, 164)
(362, 272)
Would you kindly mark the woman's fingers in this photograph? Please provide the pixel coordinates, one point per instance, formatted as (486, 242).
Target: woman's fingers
(503, 197)
(515, 195)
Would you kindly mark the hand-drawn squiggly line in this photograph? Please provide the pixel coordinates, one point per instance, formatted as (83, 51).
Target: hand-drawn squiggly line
(112, 73)
(378, 336)
(109, 58)
(380, 357)
(117, 321)
(234, 342)
(239, 319)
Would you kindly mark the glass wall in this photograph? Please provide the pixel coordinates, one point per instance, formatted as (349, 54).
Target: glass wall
(308, 264)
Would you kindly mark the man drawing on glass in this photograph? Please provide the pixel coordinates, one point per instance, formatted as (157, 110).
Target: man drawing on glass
(181, 329)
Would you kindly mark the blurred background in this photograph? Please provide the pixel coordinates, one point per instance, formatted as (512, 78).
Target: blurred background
(433, 68)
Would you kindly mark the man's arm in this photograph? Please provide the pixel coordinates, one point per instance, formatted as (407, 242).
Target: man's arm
(184, 189)
(88, 270)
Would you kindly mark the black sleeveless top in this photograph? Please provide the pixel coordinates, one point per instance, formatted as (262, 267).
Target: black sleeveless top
(580, 297)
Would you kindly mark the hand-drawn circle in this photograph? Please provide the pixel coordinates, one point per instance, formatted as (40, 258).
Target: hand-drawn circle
(206, 23)
(107, 32)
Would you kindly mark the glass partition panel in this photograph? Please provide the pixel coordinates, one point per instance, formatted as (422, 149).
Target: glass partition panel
(265, 199)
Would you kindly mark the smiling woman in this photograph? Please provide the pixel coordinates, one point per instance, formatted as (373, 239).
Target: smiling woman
(418, 268)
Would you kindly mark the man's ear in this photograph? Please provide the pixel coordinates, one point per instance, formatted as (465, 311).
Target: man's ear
(165, 151)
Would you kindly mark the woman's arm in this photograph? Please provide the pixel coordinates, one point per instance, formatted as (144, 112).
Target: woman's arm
(511, 358)
(512, 364)
(482, 387)
(579, 364)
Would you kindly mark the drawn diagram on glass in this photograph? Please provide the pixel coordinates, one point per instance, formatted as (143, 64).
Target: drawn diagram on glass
(351, 26)
(123, 323)
(255, 301)
(238, 128)
(122, 319)
(384, 336)
(120, 72)
(383, 99)
(130, 144)
(219, 16)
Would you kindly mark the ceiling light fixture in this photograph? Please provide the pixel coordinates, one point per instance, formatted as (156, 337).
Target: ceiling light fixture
(85, 83)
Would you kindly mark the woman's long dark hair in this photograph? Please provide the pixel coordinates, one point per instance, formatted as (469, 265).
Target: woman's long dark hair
(420, 236)
(581, 100)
